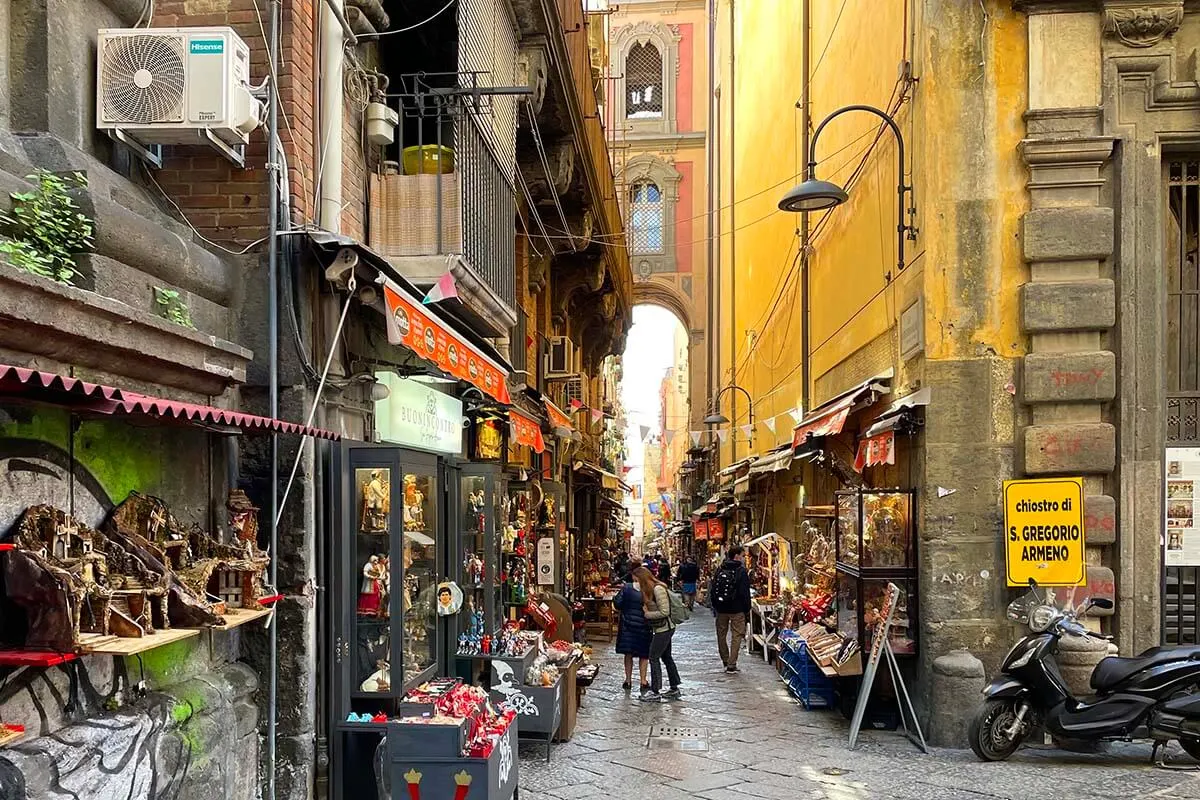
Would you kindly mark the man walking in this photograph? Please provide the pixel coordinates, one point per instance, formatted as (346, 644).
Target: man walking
(689, 575)
(729, 595)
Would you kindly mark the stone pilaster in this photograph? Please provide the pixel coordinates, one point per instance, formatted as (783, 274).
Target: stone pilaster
(1068, 307)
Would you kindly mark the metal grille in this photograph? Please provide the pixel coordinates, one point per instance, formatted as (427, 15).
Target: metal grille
(645, 219)
(489, 211)
(487, 58)
(1181, 623)
(644, 82)
(671, 737)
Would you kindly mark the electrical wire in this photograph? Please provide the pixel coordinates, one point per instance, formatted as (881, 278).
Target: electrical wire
(436, 14)
(541, 150)
(828, 41)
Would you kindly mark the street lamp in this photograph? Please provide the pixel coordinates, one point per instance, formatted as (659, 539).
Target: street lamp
(717, 418)
(818, 195)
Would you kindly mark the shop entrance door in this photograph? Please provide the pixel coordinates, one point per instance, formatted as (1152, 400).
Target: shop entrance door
(1181, 176)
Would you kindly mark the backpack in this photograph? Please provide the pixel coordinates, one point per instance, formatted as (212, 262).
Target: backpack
(679, 610)
(724, 589)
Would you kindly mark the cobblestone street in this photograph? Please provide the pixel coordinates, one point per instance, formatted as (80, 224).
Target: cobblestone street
(764, 745)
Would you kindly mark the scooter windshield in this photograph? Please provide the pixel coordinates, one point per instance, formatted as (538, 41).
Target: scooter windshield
(1019, 609)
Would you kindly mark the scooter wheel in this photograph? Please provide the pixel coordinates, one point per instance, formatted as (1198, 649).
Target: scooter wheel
(1191, 747)
(988, 731)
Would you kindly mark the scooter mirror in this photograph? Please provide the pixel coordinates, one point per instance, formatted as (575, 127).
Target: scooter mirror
(1102, 602)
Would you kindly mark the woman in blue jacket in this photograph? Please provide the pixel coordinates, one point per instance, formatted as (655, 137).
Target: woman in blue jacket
(633, 633)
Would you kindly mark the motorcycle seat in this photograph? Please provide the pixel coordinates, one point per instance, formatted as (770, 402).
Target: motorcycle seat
(1113, 670)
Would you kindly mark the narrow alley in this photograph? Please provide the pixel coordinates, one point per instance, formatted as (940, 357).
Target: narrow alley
(762, 744)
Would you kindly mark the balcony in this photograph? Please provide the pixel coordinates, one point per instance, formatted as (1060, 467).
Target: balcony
(448, 205)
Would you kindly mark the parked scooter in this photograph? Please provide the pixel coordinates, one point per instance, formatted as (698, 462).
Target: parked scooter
(1155, 695)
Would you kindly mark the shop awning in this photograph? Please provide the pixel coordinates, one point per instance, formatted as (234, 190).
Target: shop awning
(92, 398)
(526, 430)
(607, 479)
(560, 422)
(777, 460)
(830, 418)
(434, 334)
(891, 418)
(735, 466)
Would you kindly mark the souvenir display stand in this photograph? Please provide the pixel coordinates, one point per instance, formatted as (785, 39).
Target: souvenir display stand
(389, 552)
(483, 503)
(449, 742)
(533, 683)
(876, 544)
(516, 539)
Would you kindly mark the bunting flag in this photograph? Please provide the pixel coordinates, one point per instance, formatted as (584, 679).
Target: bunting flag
(668, 436)
(444, 289)
(696, 437)
(528, 342)
(575, 405)
(723, 434)
(797, 414)
(655, 508)
(597, 415)
(747, 430)
(645, 429)
(770, 423)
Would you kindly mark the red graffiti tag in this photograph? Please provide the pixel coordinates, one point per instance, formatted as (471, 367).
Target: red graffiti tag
(1072, 378)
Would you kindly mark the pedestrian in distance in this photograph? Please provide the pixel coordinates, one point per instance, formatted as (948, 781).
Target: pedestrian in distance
(633, 633)
(664, 571)
(729, 595)
(689, 576)
(656, 606)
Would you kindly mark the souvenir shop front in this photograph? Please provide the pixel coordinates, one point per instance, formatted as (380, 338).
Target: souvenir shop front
(447, 550)
(851, 532)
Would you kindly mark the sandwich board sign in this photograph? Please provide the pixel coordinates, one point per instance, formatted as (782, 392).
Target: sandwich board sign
(881, 650)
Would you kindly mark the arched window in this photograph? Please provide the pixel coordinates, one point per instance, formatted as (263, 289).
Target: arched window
(644, 82)
(646, 218)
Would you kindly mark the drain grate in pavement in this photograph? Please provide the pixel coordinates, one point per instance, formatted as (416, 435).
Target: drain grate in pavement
(673, 737)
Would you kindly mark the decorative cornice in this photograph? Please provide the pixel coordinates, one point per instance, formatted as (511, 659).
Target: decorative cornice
(1141, 25)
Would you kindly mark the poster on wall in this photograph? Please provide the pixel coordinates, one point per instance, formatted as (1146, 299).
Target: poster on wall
(1181, 540)
(545, 561)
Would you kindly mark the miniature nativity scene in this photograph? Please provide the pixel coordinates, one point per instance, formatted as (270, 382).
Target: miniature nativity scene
(142, 573)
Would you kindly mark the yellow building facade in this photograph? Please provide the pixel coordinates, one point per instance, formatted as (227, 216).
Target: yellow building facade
(1015, 326)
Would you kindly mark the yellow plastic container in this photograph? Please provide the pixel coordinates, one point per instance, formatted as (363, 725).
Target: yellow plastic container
(427, 160)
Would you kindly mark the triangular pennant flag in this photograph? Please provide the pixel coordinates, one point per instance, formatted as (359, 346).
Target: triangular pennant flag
(747, 430)
(597, 415)
(528, 341)
(770, 423)
(696, 437)
(575, 406)
(668, 436)
(645, 429)
(723, 434)
(797, 414)
(444, 289)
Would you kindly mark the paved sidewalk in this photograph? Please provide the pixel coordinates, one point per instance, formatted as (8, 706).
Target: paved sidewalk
(764, 745)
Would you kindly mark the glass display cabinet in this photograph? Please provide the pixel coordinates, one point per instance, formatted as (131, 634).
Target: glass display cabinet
(388, 565)
(876, 545)
(515, 541)
(483, 507)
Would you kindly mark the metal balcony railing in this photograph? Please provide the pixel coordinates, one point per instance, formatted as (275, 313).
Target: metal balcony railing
(446, 193)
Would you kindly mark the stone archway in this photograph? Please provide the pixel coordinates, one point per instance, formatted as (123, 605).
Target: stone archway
(656, 292)
(660, 293)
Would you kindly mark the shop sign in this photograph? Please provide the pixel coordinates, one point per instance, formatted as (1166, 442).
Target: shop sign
(700, 530)
(545, 561)
(410, 324)
(526, 431)
(716, 529)
(489, 440)
(1043, 524)
(418, 415)
(881, 650)
(1182, 541)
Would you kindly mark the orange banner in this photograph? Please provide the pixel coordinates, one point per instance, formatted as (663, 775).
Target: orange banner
(558, 419)
(526, 431)
(700, 529)
(411, 325)
(716, 529)
(877, 450)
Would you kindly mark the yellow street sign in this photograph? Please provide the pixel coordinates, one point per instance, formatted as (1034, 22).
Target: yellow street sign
(1043, 532)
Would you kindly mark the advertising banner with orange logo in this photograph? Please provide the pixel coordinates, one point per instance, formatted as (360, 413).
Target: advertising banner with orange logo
(716, 529)
(527, 431)
(700, 529)
(410, 324)
(558, 418)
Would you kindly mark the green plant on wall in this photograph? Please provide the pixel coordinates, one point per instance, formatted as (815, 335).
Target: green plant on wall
(45, 229)
(171, 308)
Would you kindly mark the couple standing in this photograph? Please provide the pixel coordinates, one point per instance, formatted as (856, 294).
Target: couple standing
(645, 632)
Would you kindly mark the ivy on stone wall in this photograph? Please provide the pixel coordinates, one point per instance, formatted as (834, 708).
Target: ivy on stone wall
(44, 230)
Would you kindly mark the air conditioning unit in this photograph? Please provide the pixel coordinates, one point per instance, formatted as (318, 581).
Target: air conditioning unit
(175, 86)
(560, 361)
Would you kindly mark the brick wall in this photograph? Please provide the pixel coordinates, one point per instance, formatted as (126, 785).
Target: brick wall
(225, 203)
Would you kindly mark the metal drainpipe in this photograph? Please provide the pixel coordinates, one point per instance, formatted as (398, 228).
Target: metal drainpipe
(330, 151)
(733, 338)
(805, 123)
(713, 214)
(273, 164)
